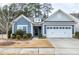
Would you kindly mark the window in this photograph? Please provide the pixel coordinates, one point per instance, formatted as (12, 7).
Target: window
(50, 27)
(37, 20)
(47, 27)
(20, 27)
(66, 27)
(69, 27)
(60, 27)
(56, 27)
(23, 27)
(53, 27)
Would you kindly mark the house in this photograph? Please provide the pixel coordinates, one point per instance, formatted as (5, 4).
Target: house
(58, 25)
(75, 15)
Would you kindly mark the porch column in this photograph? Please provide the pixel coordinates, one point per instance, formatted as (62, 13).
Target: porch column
(32, 29)
(43, 30)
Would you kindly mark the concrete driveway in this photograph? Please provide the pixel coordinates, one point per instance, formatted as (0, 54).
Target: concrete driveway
(65, 46)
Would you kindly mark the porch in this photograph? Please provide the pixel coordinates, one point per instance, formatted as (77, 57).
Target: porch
(37, 30)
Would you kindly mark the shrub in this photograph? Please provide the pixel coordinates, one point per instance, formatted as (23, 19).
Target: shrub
(29, 35)
(40, 35)
(25, 36)
(77, 34)
(18, 37)
(43, 37)
(13, 36)
(20, 32)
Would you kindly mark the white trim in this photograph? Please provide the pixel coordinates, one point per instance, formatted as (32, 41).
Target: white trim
(31, 29)
(20, 17)
(22, 27)
(37, 20)
(43, 30)
(74, 29)
(72, 17)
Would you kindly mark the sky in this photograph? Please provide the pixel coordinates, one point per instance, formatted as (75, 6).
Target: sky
(67, 7)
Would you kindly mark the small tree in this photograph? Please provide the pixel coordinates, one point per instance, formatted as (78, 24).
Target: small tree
(40, 35)
(29, 35)
(77, 35)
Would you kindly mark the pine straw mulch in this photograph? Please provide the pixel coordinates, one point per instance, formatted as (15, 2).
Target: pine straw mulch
(39, 43)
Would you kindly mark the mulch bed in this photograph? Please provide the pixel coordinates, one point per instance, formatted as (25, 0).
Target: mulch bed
(39, 43)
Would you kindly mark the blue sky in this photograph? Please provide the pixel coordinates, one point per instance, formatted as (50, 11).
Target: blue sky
(67, 7)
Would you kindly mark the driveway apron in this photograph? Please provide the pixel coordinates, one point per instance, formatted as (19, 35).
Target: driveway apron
(65, 46)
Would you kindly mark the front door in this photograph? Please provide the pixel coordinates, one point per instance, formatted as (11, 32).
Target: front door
(37, 30)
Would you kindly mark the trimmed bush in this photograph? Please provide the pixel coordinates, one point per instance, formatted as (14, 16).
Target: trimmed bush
(40, 35)
(43, 37)
(20, 32)
(25, 36)
(29, 35)
(13, 36)
(77, 35)
(18, 37)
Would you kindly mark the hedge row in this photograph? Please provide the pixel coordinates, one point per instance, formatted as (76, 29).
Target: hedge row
(19, 34)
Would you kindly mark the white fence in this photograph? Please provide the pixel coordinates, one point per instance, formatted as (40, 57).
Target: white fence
(3, 36)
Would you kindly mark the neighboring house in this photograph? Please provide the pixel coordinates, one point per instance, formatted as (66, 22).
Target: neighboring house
(77, 16)
(58, 25)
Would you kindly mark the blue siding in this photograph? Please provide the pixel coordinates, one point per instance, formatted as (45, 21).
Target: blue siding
(22, 21)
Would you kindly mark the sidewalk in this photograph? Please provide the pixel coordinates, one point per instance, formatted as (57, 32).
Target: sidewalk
(26, 51)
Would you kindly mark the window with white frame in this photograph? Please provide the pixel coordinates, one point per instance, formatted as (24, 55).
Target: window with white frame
(23, 27)
(37, 20)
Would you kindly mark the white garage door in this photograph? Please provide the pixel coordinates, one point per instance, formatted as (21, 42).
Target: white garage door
(59, 31)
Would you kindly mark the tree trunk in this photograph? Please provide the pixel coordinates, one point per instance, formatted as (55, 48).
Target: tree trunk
(7, 29)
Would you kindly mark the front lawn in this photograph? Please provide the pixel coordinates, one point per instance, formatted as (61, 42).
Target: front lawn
(40, 43)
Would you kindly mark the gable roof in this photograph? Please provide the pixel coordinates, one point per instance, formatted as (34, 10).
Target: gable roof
(57, 10)
(20, 17)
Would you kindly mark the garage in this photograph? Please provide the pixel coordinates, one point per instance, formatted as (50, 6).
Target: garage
(59, 31)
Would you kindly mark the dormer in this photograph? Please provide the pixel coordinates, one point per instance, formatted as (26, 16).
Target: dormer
(37, 19)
